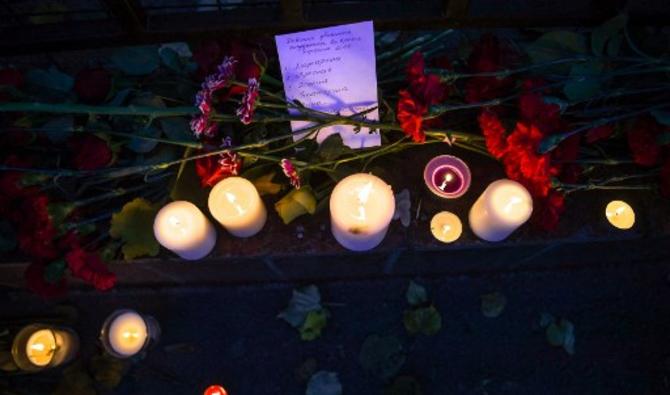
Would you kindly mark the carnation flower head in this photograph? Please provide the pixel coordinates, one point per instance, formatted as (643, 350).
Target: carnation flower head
(290, 172)
(248, 105)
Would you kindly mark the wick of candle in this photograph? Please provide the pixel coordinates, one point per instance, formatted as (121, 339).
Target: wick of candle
(514, 200)
(447, 178)
(233, 200)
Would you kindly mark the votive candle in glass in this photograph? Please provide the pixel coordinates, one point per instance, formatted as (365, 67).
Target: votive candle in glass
(235, 203)
(620, 214)
(127, 333)
(447, 176)
(500, 210)
(39, 346)
(182, 228)
(361, 208)
(446, 227)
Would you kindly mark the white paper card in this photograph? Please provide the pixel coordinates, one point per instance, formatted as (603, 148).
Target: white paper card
(332, 70)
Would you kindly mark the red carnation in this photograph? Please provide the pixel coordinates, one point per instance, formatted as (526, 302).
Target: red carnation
(547, 211)
(424, 87)
(92, 85)
(494, 132)
(36, 229)
(643, 143)
(567, 152)
(599, 133)
(534, 109)
(207, 56)
(486, 57)
(214, 168)
(90, 268)
(410, 116)
(89, 152)
(36, 282)
(524, 164)
(665, 179)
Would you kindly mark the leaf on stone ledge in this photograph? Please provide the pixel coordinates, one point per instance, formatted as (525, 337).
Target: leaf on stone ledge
(426, 321)
(493, 304)
(75, 381)
(416, 294)
(382, 356)
(303, 301)
(562, 334)
(403, 204)
(324, 383)
(107, 371)
(265, 185)
(140, 60)
(133, 225)
(296, 203)
(315, 322)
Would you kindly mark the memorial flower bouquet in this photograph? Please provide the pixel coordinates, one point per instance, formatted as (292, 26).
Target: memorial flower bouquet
(89, 159)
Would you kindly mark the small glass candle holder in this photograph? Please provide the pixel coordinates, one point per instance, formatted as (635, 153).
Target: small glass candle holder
(37, 347)
(447, 176)
(127, 333)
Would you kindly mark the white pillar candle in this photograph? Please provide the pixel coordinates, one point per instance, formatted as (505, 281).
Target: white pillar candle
(361, 208)
(446, 227)
(127, 334)
(502, 208)
(38, 347)
(620, 214)
(236, 204)
(183, 229)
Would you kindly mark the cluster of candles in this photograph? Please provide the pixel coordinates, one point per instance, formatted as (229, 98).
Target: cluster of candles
(361, 209)
(125, 334)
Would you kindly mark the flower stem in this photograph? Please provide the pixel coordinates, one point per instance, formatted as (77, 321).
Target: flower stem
(71, 108)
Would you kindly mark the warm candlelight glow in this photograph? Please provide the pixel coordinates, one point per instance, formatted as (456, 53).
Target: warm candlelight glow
(502, 208)
(361, 208)
(447, 176)
(446, 227)
(127, 334)
(182, 228)
(215, 390)
(41, 347)
(236, 204)
(620, 214)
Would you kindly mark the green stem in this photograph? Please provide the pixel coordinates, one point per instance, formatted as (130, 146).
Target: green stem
(109, 195)
(70, 108)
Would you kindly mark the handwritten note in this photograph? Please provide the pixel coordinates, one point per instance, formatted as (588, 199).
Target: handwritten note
(332, 70)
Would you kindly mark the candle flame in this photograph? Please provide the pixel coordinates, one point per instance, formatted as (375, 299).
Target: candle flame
(37, 347)
(233, 200)
(446, 229)
(509, 206)
(129, 334)
(363, 196)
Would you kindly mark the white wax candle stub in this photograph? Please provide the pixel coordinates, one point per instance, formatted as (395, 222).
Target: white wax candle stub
(361, 208)
(127, 334)
(500, 210)
(182, 228)
(620, 214)
(446, 227)
(41, 347)
(237, 206)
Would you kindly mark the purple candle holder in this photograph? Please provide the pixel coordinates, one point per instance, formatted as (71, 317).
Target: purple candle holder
(447, 176)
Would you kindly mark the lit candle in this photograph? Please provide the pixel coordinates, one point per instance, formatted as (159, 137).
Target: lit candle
(361, 208)
(447, 176)
(126, 333)
(502, 208)
(182, 228)
(620, 214)
(215, 390)
(446, 227)
(236, 204)
(37, 347)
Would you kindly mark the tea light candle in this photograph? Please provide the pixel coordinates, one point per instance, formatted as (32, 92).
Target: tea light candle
(446, 227)
(502, 208)
(620, 214)
(182, 228)
(236, 204)
(126, 333)
(361, 208)
(215, 390)
(447, 176)
(37, 347)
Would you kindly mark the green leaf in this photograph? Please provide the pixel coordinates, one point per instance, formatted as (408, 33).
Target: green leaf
(141, 60)
(425, 320)
(55, 271)
(556, 45)
(107, 371)
(493, 304)
(662, 117)
(324, 383)
(416, 294)
(133, 225)
(58, 212)
(663, 138)
(265, 185)
(75, 381)
(296, 203)
(8, 240)
(59, 129)
(404, 385)
(187, 186)
(170, 58)
(177, 129)
(585, 82)
(562, 334)
(52, 79)
(303, 301)
(610, 31)
(315, 322)
(142, 146)
(332, 148)
(382, 356)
